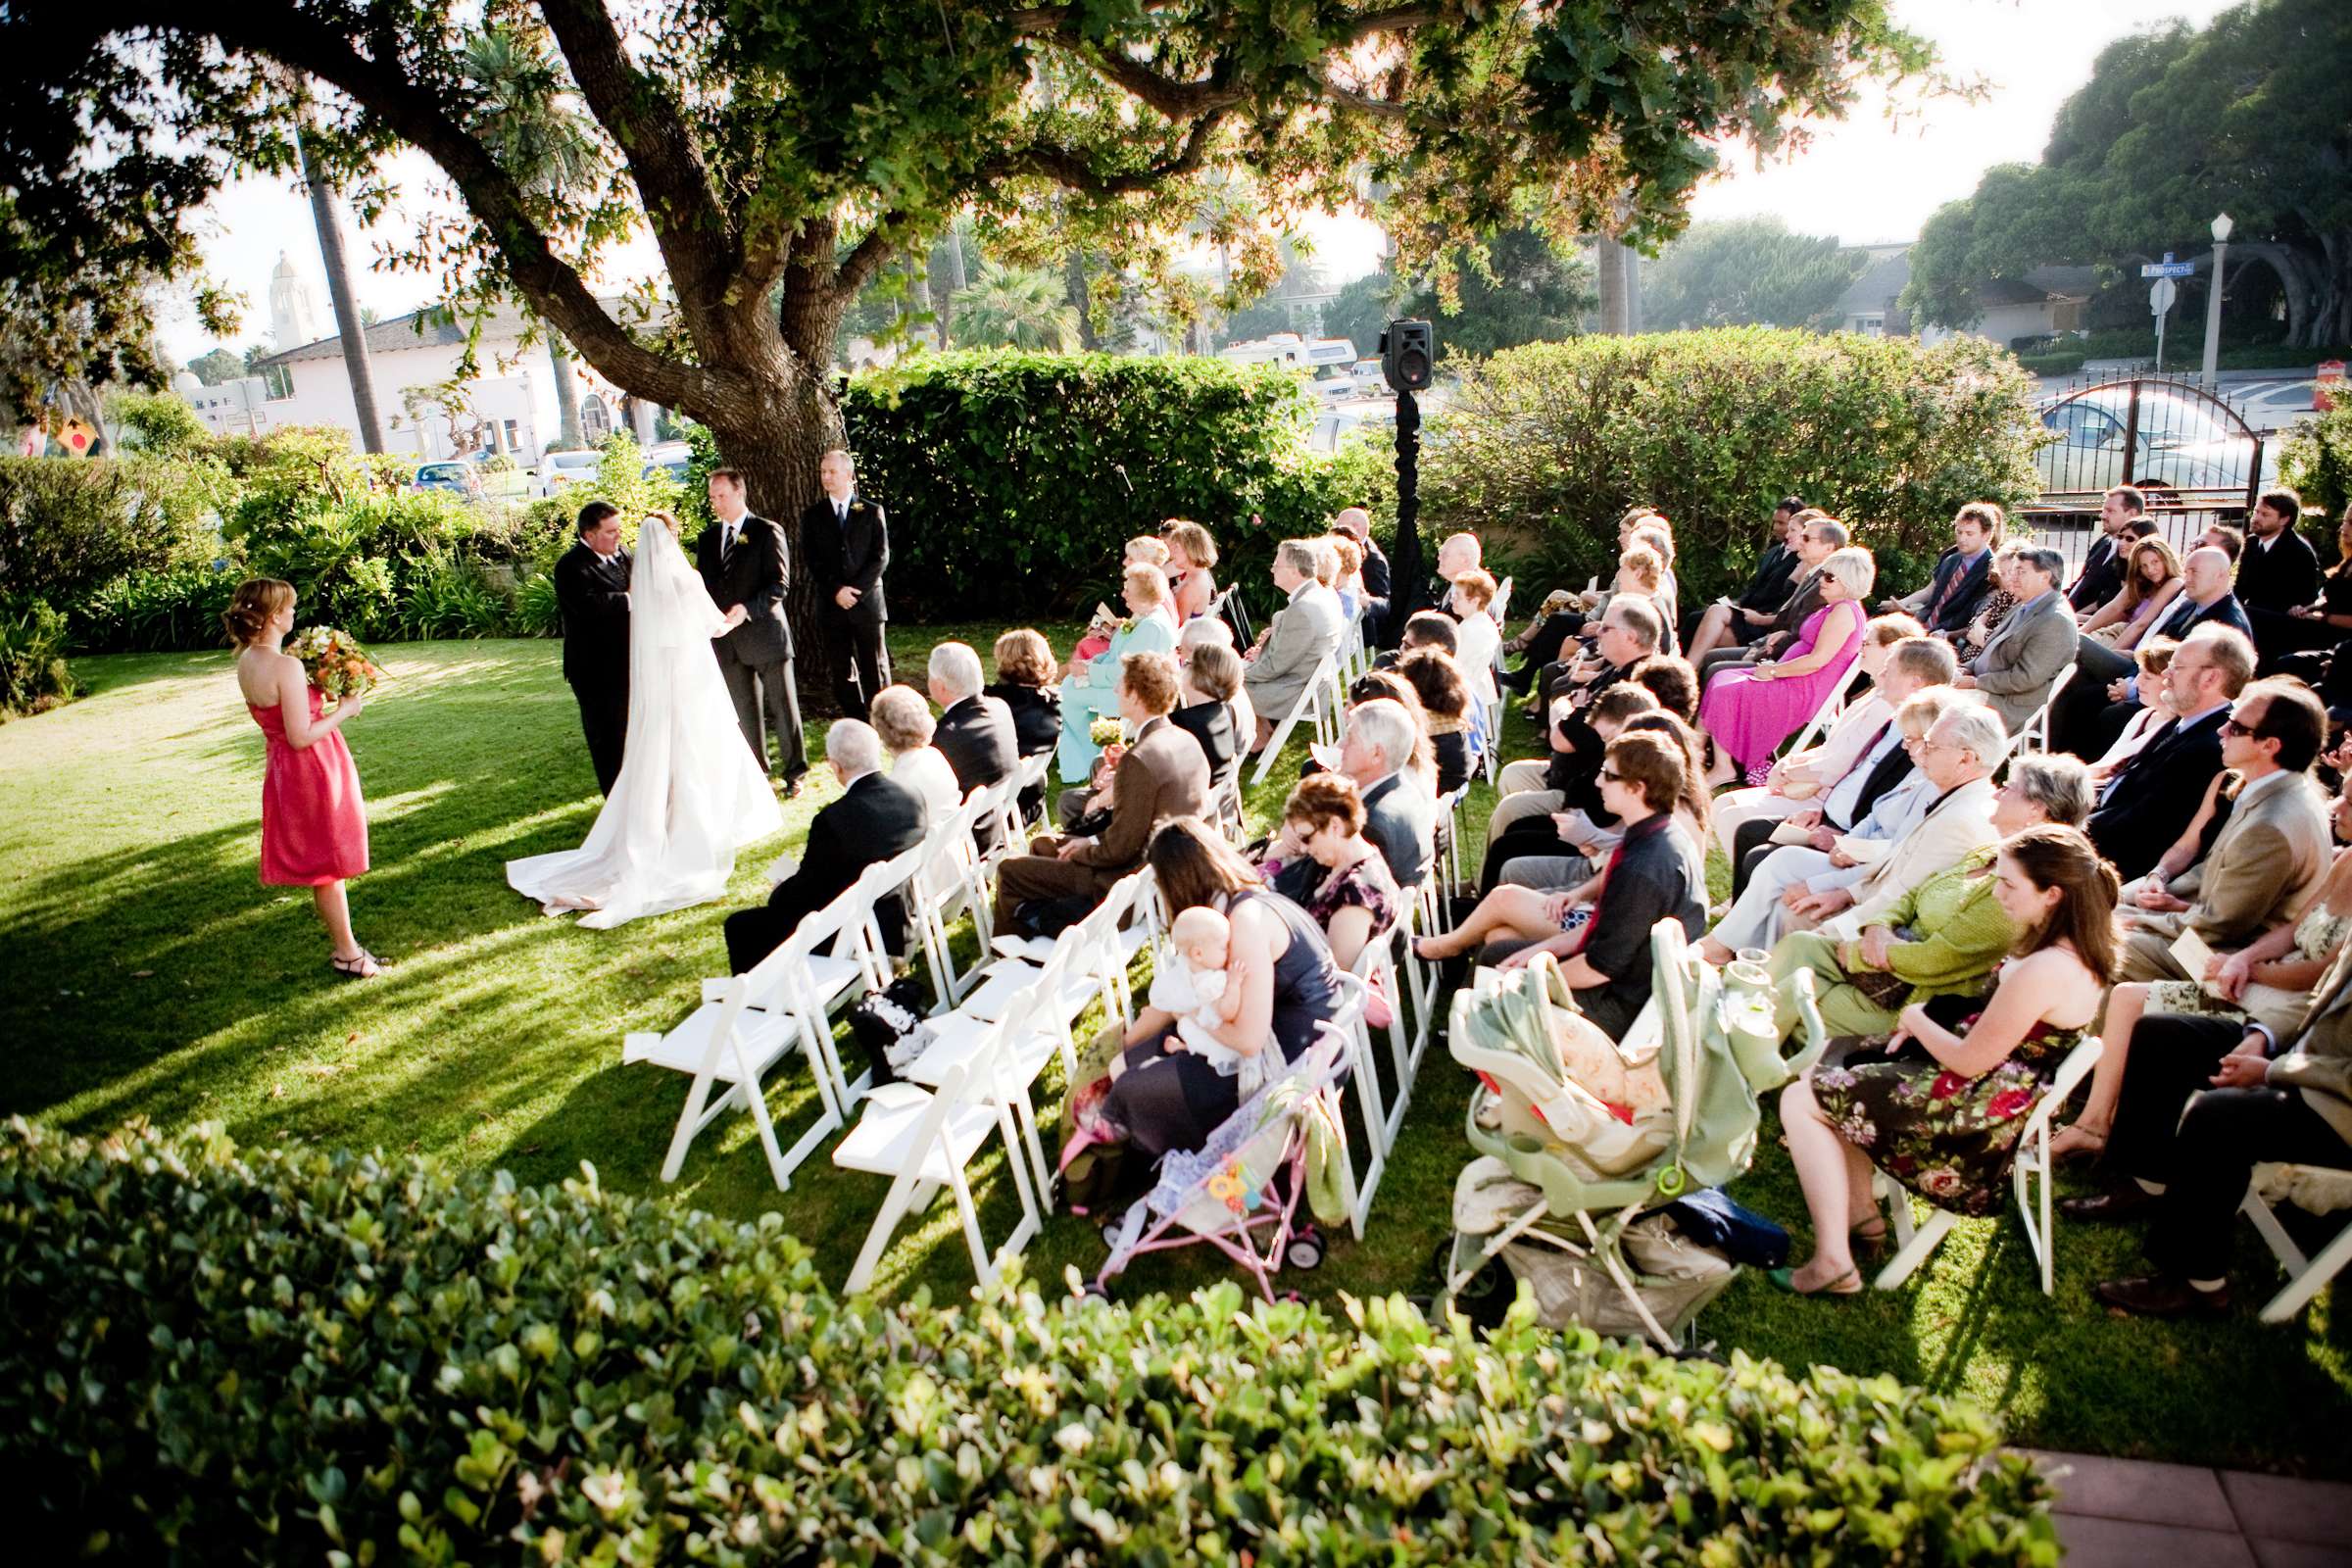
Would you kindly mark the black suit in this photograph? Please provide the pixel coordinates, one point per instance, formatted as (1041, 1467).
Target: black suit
(977, 738)
(1376, 583)
(2148, 803)
(1956, 590)
(2101, 577)
(755, 657)
(593, 595)
(877, 818)
(1036, 724)
(851, 551)
(1211, 724)
(2273, 581)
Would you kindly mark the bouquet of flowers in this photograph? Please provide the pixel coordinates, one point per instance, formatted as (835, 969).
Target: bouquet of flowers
(1104, 733)
(334, 662)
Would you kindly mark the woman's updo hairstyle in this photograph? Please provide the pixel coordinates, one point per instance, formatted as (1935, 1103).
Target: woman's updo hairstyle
(257, 602)
(2063, 858)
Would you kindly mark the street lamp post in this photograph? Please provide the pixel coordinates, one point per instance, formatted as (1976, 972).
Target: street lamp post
(2213, 299)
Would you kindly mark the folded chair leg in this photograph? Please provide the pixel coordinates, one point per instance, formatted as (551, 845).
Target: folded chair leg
(1917, 1250)
(2325, 1266)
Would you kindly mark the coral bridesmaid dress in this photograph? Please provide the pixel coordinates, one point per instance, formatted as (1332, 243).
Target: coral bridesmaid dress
(314, 820)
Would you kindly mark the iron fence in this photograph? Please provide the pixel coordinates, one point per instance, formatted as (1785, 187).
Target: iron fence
(2194, 457)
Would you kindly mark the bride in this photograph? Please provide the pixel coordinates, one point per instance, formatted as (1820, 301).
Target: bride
(689, 794)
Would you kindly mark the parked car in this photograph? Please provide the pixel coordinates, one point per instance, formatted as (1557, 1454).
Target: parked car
(1333, 425)
(458, 479)
(560, 469)
(2180, 442)
(669, 457)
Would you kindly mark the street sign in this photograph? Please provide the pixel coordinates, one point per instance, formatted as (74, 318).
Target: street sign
(2161, 295)
(2168, 267)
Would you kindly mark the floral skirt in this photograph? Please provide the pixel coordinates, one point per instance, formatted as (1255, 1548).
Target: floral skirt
(1947, 1138)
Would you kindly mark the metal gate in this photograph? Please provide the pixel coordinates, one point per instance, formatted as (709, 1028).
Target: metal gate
(2196, 458)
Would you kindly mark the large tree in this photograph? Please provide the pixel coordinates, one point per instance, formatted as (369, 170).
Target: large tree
(2251, 115)
(1747, 271)
(1522, 287)
(781, 151)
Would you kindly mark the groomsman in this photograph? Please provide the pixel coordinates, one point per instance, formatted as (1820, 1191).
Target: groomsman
(844, 539)
(743, 564)
(592, 592)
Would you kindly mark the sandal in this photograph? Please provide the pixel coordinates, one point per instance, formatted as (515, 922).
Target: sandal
(2074, 1142)
(362, 967)
(1868, 1238)
(1784, 1279)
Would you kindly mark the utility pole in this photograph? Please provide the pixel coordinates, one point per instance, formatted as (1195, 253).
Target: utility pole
(2213, 301)
(347, 325)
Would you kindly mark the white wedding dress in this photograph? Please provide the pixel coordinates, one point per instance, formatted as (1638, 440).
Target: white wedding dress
(689, 794)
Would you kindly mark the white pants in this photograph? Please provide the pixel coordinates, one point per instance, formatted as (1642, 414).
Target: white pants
(1758, 918)
(1751, 805)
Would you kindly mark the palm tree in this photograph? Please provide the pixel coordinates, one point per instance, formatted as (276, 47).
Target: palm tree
(530, 125)
(349, 327)
(1024, 307)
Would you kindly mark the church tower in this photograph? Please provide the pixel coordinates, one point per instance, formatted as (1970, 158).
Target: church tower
(293, 318)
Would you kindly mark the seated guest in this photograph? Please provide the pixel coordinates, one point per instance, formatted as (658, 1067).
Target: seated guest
(1356, 523)
(2103, 564)
(1751, 711)
(903, 720)
(1941, 1105)
(2305, 633)
(1963, 574)
(2146, 802)
(1444, 715)
(1306, 629)
(1820, 538)
(875, 819)
(2024, 658)
(2279, 573)
(1428, 629)
(1211, 682)
(1741, 619)
(1655, 874)
(1024, 684)
(1652, 536)
(1541, 819)
(1784, 879)
(2151, 582)
(1162, 773)
(1206, 629)
(1141, 550)
(2081, 719)
(1941, 938)
(1959, 758)
(1347, 578)
(2267, 856)
(1796, 781)
(1161, 1097)
(1585, 840)
(2268, 982)
(1476, 636)
(1089, 691)
(2231, 542)
(1400, 815)
(1641, 570)
(1192, 552)
(1992, 609)
(2155, 710)
(975, 732)
(1343, 883)
(1629, 635)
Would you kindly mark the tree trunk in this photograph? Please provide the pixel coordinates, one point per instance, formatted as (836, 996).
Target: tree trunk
(568, 393)
(1608, 273)
(348, 324)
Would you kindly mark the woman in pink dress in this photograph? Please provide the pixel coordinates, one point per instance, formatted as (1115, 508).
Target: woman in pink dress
(314, 822)
(1750, 711)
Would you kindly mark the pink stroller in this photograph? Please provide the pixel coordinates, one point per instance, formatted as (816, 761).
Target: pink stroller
(1241, 1190)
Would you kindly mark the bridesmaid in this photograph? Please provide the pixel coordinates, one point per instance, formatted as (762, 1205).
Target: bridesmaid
(314, 822)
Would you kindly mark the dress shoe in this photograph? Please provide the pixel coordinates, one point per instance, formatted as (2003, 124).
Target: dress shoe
(2159, 1296)
(790, 789)
(2126, 1203)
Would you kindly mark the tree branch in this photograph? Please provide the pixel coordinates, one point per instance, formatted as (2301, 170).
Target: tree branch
(867, 257)
(1067, 167)
(1363, 103)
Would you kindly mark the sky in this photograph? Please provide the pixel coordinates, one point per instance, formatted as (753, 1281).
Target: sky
(1864, 179)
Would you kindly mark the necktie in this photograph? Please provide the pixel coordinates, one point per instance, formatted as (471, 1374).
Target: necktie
(1882, 776)
(2175, 622)
(1936, 610)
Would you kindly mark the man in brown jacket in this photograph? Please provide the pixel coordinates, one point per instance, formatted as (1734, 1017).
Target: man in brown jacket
(1165, 773)
(2189, 1170)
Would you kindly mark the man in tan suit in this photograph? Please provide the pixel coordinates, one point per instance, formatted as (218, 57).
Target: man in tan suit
(1165, 773)
(2270, 855)
(2189, 1170)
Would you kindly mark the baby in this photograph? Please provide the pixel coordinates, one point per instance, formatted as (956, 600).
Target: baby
(1203, 988)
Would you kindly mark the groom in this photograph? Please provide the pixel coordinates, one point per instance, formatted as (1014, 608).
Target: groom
(743, 562)
(592, 592)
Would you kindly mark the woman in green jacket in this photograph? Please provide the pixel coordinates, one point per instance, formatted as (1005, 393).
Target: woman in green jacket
(1945, 935)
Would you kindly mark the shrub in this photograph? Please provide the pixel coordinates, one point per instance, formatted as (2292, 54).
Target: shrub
(2316, 458)
(160, 423)
(287, 1356)
(175, 611)
(2058, 361)
(1003, 468)
(294, 473)
(443, 595)
(69, 526)
(33, 657)
(1552, 442)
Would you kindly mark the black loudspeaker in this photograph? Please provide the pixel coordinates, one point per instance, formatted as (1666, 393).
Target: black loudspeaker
(1409, 352)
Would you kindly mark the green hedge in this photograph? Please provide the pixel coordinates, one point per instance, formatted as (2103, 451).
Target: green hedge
(1000, 472)
(290, 1357)
(33, 676)
(2317, 459)
(69, 526)
(1547, 445)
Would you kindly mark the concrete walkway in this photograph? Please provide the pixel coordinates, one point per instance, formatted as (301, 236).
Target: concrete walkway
(2132, 1512)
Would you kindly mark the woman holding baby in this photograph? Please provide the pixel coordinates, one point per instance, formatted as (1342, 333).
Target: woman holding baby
(1279, 982)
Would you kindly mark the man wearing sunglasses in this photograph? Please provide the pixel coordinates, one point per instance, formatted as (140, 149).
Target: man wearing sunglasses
(2269, 856)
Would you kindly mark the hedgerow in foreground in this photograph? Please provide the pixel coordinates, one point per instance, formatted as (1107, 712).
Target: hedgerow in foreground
(221, 1354)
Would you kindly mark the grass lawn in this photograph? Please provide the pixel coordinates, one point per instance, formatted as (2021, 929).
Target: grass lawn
(148, 974)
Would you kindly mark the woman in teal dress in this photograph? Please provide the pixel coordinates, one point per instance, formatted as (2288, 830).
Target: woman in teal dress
(1940, 1109)
(1091, 690)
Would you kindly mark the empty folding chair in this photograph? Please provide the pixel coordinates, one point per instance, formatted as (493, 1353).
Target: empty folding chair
(2316, 1190)
(944, 888)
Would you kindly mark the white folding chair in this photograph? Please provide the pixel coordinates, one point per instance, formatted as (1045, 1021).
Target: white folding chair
(2030, 1178)
(1376, 967)
(1312, 705)
(1031, 774)
(926, 1139)
(1826, 713)
(750, 1021)
(2034, 735)
(1358, 1188)
(2312, 1188)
